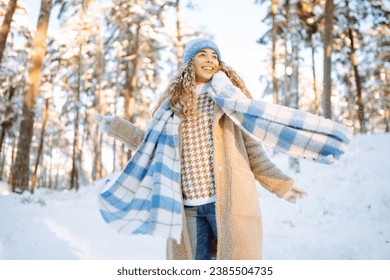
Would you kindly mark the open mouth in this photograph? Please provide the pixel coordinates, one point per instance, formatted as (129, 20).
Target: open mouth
(208, 68)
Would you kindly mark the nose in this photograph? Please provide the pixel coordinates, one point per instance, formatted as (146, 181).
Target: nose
(209, 59)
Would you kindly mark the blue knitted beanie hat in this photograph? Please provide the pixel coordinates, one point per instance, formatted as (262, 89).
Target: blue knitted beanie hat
(196, 45)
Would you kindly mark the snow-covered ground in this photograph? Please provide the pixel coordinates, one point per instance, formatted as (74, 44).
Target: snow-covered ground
(345, 216)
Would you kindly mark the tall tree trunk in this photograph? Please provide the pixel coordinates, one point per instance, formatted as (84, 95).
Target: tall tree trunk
(327, 91)
(6, 26)
(57, 179)
(2, 158)
(2, 154)
(21, 168)
(385, 98)
(97, 138)
(96, 168)
(5, 126)
(85, 135)
(44, 120)
(179, 44)
(287, 58)
(275, 88)
(294, 89)
(360, 101)
(74, 175)
(313, 68)
(131, 82)
(51, 164)
(353, 58)
(131, 78)
(12, 162)
(42, 182)
(350, 98)
(114, 146)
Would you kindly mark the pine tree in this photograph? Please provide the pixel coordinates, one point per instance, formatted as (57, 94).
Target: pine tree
(6, 26)
(21, 167)
(328, 47)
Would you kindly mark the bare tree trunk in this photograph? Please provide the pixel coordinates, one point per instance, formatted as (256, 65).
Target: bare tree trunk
(9, 119)
(13, 152)
(44, 120)
(386, 116)
(353, 58)
(43, 174)
(131, 78)
(12, 162)
(86, 134)
(313, 67)
(6, 26)
(179, 44)
(97, 163)
(275, 88)
(97, 139)
(131, 83)
(51, 165)
(5, 126)
(350, 99)
(287, 58)
(294, 89)
(386, 101)
(21, 168)
(2, 159)
(100, 163)
(2, 154)
(74, 177)
(114, 146)
(360, 101)
(57, 179)
(327, 91)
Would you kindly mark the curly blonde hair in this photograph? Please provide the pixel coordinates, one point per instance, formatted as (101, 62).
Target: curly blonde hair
(180, 91)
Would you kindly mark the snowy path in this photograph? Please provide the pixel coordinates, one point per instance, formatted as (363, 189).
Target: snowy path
(345, 216)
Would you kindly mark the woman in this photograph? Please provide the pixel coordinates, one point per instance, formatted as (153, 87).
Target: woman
(219, 161)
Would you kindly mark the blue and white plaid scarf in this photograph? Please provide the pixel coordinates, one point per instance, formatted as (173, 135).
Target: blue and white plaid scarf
(146, 198)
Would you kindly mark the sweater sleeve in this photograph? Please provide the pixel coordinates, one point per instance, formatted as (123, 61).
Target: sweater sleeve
(126, 132)
(268, 175)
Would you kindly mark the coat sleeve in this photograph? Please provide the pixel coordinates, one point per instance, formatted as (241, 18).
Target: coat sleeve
(266, 173)
(126, 132)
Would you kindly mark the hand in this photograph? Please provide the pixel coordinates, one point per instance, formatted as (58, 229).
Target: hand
(104, 122)
(294, 193)
(220, 81)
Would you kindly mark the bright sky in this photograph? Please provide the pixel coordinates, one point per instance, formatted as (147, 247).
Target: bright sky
(235, 27)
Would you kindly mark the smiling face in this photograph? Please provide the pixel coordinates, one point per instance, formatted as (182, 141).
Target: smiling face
(206, 64)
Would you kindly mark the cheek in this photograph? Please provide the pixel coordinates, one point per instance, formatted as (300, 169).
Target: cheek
(218, 65)
(197, 71)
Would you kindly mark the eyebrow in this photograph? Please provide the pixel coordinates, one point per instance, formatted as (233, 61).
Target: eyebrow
(202, 51)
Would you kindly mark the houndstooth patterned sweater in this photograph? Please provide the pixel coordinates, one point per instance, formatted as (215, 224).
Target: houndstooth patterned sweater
(197, 157)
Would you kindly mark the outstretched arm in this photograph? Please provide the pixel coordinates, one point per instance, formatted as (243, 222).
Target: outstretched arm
(122, 130)
(268, 175)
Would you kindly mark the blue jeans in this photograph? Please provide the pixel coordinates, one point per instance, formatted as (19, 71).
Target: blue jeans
(202, 227)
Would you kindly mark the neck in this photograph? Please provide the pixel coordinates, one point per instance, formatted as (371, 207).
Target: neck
(201, 87)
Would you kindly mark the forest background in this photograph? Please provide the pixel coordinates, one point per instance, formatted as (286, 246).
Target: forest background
(81, 58)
